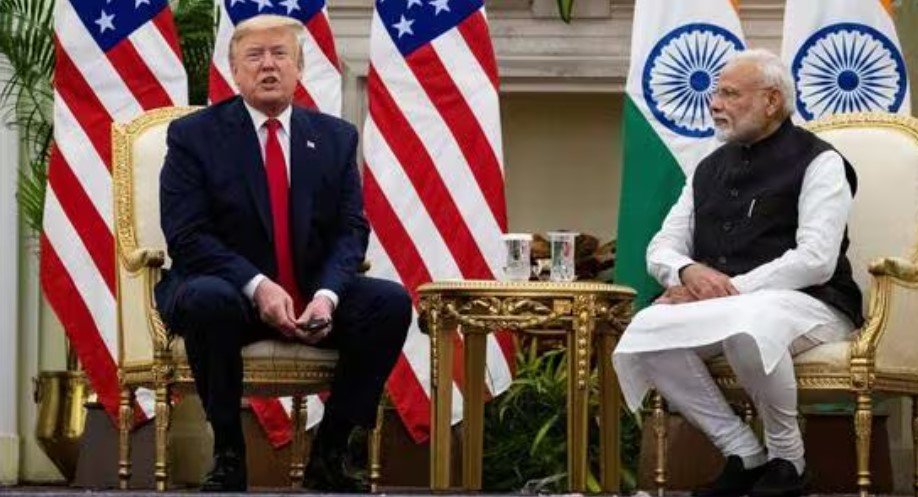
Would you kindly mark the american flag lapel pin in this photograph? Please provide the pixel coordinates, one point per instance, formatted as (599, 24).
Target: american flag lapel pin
(310, 144)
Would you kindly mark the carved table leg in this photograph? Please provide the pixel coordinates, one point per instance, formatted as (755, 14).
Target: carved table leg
(473, 409)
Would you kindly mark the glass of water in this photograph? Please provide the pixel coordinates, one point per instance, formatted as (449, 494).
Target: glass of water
(517, 266)
(562, 255)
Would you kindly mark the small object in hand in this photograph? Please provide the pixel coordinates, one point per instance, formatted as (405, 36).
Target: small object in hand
(315, 324)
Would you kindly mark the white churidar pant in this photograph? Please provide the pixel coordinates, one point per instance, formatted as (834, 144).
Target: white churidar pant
(666, 345)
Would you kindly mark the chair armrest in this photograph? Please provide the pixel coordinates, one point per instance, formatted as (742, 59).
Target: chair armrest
(896, 267)
(887, 337)
(143, 258)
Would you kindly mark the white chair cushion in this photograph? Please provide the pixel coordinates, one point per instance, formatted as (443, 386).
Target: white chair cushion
(269, 350)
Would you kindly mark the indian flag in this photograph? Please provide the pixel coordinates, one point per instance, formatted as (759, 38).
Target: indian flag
(844, 56)
(677, 52)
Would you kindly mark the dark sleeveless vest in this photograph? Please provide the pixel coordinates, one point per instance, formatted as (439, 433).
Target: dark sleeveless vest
(746, 210)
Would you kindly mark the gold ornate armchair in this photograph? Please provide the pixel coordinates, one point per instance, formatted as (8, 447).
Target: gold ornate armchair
(149, 356)
(882, 359)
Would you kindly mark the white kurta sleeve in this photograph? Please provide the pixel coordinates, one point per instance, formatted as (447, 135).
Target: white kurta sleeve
(823, 207)
(670, 249)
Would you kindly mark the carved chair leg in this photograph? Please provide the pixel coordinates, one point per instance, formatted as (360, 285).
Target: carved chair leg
(163, 420)
(298, 450)
(915, 443)
(863, 418)
(659, 431)
(375, 449)
(125, 423)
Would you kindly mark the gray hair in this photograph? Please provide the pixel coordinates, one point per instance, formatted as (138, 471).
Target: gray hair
(265, 22)
(773, 73)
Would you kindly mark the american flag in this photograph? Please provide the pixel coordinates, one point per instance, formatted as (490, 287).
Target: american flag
(433, 178)
(320, 89)
(114, 60)
(320, 86)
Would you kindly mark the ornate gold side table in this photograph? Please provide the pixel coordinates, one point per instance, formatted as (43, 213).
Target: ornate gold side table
(590, 314)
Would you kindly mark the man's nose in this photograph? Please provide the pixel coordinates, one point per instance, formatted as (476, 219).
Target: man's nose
(268, 60)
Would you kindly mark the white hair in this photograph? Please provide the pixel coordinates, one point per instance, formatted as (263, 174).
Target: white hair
(773, 73)
(263, 22)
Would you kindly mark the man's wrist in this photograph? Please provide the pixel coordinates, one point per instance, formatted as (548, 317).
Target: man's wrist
(249, 289)
(328, 294)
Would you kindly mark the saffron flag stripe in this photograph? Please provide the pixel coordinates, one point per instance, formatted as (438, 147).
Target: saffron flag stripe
(92, 63)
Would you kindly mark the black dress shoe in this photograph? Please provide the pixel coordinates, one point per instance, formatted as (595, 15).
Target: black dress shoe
(327, 471)
(780, 479)
(735, 480)
(227, 475)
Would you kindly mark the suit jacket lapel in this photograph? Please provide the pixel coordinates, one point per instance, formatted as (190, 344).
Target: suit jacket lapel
(304, 175)
(247, 152)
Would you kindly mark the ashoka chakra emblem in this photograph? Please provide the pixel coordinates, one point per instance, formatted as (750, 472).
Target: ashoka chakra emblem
(681, 73)
(848, 67)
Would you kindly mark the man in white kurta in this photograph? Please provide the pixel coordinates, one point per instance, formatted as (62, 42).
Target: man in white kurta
(758, 316)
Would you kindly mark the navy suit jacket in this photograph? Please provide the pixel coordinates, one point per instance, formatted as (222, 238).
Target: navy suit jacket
(215, 210)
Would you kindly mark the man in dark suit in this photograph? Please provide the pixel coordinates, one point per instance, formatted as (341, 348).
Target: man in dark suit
(262, 211)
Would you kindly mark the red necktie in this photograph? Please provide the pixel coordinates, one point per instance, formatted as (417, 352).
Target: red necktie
(278, 189)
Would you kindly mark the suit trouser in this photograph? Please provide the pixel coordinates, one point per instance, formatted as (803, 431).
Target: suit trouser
(216, 320)
(682, 378)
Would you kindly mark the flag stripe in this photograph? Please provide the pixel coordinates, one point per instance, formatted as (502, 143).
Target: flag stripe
(408, 208)
(468, 76)
(422, 174)
(141, 82)
(88, 225)
(139, 69)
(319, 29)
(165, 68)
(89, 284)
(79, 326)
(89, 169)
(438, 140)
(441, 89)
(88, 110)
(433, 180)
(480, 46)
(165, 23)
(388, 227)
(90, 61)
(218, 89)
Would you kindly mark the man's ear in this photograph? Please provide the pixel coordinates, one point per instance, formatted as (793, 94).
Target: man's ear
(774, 102)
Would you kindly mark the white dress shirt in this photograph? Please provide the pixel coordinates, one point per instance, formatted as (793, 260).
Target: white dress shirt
(823, 207)
(283, 136)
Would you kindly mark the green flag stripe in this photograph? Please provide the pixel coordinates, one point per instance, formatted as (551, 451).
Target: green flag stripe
(651, 182)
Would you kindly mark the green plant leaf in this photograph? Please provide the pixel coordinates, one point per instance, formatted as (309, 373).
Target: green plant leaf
(564, 9)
